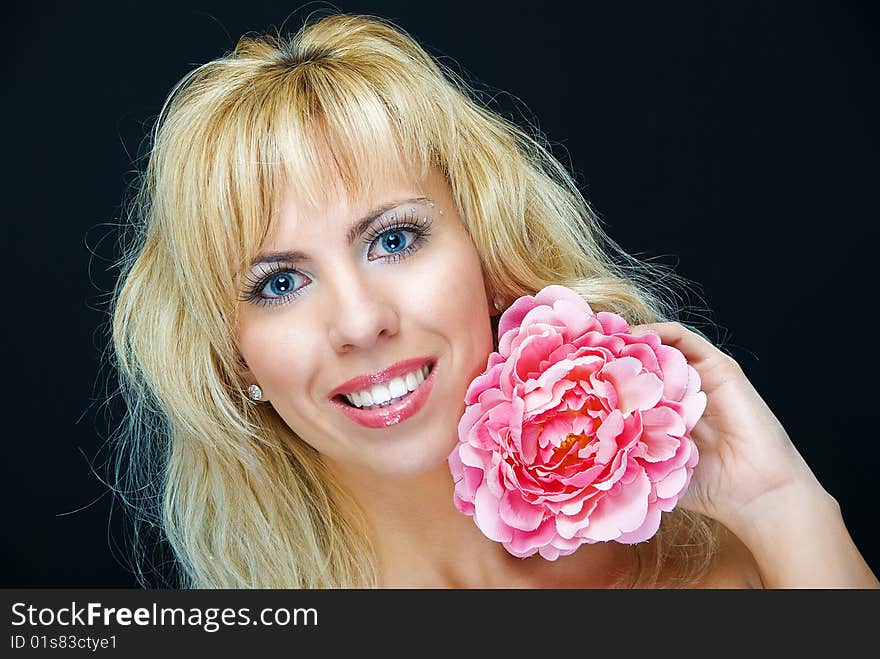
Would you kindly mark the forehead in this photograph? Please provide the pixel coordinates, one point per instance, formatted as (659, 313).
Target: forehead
(339, 211)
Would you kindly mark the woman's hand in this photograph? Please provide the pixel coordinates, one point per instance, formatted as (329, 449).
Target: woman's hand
(752, 479)
(745, 453)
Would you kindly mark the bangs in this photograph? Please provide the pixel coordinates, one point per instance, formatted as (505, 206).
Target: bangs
(346, 125)
(318, 121)
(325, 129)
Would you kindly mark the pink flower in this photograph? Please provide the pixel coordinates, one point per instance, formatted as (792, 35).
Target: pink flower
(577, 431)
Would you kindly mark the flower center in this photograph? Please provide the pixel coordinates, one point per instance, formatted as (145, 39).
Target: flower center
(580, 439)
(567, 442)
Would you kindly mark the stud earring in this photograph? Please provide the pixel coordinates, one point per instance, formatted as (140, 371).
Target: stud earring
(499, 302)
(255, 392)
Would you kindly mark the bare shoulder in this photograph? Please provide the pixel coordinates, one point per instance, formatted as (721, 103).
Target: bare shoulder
(734, 566)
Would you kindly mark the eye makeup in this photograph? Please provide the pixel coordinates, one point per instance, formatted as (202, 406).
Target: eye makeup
(274, 282)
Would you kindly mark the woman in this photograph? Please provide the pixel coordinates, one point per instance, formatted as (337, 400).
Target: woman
(326, 213)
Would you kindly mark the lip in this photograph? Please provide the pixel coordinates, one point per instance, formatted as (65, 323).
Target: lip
(395, 413)
(381, 377)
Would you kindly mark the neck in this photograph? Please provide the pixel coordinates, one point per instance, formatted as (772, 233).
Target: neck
(421, 538)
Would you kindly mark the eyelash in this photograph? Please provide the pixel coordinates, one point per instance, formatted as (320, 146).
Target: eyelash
(419, 226)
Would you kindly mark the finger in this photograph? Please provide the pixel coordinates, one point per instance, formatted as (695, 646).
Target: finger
(695, 348)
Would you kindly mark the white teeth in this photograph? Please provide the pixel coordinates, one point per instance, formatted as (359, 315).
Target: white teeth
(397, 387)
(382, 395)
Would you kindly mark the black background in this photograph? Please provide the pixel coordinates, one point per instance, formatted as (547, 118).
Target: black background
(736, 142)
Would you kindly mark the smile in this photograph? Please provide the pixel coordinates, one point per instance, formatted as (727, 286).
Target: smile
(393, 407)
(382, 395)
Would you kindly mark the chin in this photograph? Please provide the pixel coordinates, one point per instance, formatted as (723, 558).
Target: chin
(415, 461)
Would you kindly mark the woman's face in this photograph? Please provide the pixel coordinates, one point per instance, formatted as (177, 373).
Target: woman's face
(409, 287)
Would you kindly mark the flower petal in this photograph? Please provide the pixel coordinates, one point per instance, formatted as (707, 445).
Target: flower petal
(607, 434)
(576, 432)
(568, 526)
(636, 388)
(526, 543)
(612, 323)
(519, 514)
(646, 531)
(621, 512)
(675, 374)
(487, 517)
(554, 292)
(673, 484)
(662, 428)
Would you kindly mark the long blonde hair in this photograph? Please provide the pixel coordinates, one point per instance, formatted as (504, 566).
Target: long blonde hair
(242, 501)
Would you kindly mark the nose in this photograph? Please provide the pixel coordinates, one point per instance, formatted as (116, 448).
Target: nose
(362, 311)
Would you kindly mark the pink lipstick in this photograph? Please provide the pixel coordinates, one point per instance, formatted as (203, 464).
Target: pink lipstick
(396, 412)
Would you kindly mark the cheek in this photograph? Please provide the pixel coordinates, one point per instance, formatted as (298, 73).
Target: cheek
(272, 353)
(460, 305)
(443, 284)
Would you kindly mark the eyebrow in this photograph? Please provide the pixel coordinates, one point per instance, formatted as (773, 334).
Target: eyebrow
(355, 231)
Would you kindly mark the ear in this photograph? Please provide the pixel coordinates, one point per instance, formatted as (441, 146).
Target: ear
(490, 298)
(497, 304)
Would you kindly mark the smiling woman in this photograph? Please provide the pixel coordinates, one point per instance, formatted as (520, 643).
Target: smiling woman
(369, 318)
(328, 228)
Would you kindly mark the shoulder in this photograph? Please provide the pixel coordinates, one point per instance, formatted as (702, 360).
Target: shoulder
(734, 566)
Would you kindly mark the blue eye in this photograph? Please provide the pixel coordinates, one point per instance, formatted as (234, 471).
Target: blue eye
(281, 284)
(276, 284)
(392, 241)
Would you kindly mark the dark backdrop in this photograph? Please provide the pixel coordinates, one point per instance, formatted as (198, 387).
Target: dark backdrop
(736, 142)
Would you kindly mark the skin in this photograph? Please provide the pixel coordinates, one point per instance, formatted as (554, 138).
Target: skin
(359, 312)
(786, 527)
(356, 315)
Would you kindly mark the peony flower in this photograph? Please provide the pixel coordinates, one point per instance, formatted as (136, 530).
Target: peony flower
(576, 432)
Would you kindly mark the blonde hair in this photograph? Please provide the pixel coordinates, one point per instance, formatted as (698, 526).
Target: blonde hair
(242, 501)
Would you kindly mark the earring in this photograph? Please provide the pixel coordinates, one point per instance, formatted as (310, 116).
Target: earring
(499, 302)
(255, 392)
